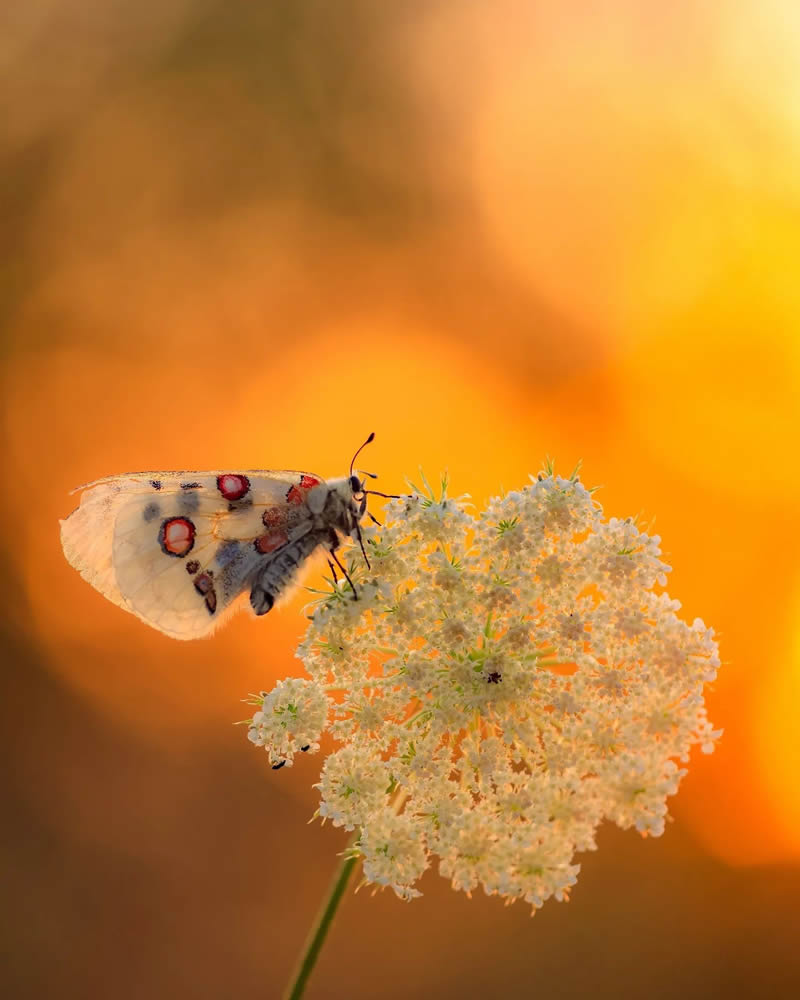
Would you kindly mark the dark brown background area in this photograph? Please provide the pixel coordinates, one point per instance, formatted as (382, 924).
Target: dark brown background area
(245, 234)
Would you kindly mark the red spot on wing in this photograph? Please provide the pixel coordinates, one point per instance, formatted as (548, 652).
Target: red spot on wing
(273, 517)
(297, 494)
(233, 486)
(176, 536)
(271, 541)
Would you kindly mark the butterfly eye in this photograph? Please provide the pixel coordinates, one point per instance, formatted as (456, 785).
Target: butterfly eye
(355, 484)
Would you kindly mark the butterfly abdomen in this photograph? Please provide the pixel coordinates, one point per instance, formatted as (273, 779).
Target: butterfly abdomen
(278, 573)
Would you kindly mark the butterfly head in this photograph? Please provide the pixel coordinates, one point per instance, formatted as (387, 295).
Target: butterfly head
(346, 503)
(359, 494)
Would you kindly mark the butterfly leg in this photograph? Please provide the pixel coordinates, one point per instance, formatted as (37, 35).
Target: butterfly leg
(346, 576)
(333, 572)
(334, 545)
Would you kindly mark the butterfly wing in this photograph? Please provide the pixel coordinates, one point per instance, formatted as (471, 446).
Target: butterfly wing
(178, 549)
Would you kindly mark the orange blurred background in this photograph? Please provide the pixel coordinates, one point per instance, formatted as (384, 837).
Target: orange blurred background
(244, 235)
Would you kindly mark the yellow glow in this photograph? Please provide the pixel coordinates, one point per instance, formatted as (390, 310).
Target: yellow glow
(777, 739)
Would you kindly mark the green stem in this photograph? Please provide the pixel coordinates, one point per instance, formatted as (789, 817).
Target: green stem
(321, 927)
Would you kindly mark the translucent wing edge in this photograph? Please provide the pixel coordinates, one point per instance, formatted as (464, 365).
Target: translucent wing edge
(87, 540)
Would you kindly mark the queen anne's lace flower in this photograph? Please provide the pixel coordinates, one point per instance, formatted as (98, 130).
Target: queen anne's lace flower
(502, 685)
(291, 718)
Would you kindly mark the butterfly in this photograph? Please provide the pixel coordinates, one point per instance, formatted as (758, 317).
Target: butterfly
(178, 549)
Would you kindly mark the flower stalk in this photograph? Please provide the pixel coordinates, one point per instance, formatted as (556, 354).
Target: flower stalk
(321, 926)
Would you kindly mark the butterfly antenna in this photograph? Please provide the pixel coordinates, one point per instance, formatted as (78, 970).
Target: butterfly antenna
(364, 445)
(388, 496)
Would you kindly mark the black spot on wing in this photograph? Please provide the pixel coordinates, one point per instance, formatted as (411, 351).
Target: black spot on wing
(204, 585)
(243, 504)
(151, 512)
(156, 484)
(191, 486)
(188, 502)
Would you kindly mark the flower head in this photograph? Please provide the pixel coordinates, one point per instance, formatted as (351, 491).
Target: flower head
(503, 684)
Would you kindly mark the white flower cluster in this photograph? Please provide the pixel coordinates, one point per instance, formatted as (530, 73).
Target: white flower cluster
(502, 685)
